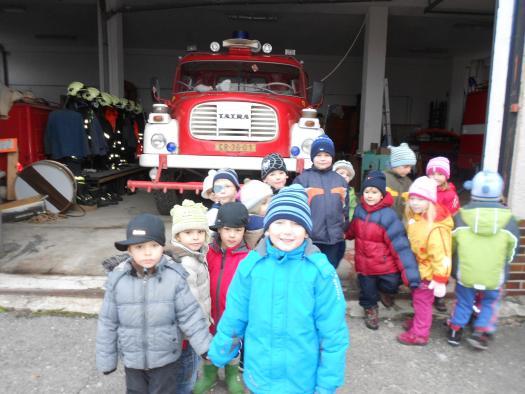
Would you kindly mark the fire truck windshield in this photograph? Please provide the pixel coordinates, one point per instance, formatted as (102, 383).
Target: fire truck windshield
(239, 76)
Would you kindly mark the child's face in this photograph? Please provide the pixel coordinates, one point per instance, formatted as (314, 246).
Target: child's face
(224, 191)
(322, 161)
(276, 179)
(146, 254)
(439, 178)
(230, 236)
(286, 235)
(372, 195)
(417, 204)
(192, 239)
(402, 170)
(344, 173)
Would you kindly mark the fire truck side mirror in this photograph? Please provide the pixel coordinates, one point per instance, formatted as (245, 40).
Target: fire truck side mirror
(317, 92)
(155, 89)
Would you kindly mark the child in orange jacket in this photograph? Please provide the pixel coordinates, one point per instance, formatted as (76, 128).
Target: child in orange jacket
(429, 227)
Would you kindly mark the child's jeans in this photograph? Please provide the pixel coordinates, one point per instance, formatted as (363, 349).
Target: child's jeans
(488, 315)
(371, 285)
(333, 252)
(422, 301)
(160, 380)
(187, 366)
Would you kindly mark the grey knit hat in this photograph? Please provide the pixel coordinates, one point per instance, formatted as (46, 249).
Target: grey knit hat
(272, 162)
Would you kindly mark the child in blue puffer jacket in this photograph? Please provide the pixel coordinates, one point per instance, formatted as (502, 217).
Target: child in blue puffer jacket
(286, 303)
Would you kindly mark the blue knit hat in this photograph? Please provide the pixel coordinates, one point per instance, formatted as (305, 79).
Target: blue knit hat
(485, 186)
(323, 143)
(291, 203)
(229, 174)
(402, 155)
(375, 179)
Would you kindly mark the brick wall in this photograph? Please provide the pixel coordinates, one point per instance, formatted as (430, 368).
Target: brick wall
(516, 282)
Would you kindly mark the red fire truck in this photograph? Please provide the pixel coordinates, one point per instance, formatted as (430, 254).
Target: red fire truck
(228, 109)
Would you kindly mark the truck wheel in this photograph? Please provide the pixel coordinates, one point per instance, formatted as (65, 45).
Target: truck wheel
(165, 201)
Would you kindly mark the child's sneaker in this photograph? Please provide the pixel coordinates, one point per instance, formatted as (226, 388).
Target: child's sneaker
(407, 338)
(372, 318)
(479, 340)
(454, 336)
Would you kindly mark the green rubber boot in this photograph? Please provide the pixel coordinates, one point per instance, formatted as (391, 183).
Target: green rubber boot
(233, 379)
(207, 380)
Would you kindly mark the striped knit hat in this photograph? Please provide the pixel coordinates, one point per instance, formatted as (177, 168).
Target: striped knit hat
(229, 174)
(402, 155)
(424, 187)
(291, 203)
(439, 165)
(188, 216)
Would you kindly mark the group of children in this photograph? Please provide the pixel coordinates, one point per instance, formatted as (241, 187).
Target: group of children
(254, 278)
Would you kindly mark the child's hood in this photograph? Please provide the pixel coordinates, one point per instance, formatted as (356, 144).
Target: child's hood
(486, 220)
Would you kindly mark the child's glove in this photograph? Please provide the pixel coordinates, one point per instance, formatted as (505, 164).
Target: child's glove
(440, 289)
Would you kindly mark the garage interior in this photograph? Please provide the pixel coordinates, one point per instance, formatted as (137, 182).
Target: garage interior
(434, 55)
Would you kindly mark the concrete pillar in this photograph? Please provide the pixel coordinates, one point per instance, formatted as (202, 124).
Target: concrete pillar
(115, 51)
(374, 58)
(516, 198)
(498, 83)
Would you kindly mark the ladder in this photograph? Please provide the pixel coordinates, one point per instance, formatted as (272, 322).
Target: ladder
(387, 130)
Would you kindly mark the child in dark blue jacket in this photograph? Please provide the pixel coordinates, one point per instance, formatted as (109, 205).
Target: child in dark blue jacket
(328, 200)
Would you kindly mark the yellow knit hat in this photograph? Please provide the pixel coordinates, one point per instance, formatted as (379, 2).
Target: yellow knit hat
(188, 216)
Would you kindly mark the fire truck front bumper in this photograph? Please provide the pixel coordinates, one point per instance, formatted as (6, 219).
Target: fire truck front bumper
(208, 162)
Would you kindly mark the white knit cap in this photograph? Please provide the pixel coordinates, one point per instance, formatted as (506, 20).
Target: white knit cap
(253, 192)
(207, 185)
(188, 216)
(346, 165)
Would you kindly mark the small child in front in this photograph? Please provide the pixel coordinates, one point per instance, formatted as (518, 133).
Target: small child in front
(189, 245)
(287, 303)
(485, 240)
(255, 196)
(429, 227)
(383, 257)
(146, 305)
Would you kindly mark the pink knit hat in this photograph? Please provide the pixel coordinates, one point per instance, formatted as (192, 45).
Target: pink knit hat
(424, 187)
(440, 164)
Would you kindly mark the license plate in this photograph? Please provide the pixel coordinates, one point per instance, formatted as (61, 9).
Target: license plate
(234, 147)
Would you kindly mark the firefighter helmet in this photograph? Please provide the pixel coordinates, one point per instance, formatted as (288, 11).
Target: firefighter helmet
(74, 88)
(105, 99)
(90, 94)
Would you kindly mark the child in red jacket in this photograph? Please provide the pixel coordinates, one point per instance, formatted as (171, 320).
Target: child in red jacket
(226, 252)
(382, 253)
(438, 169)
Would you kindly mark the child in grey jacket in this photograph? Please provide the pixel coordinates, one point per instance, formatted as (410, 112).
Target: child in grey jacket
(146, 305)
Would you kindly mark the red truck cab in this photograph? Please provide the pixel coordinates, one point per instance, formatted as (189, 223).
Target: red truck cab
(228, 110)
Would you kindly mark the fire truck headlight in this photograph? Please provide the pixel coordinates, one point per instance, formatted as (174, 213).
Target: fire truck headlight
(171, 147)
(153, 173)
(215, 46)
(158, 141)
(267, 48)
(295, 151)
(307, 145)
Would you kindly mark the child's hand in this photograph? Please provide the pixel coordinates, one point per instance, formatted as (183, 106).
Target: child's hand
(440, 289)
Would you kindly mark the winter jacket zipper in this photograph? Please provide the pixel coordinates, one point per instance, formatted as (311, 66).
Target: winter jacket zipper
(145, 319)
(218, 291)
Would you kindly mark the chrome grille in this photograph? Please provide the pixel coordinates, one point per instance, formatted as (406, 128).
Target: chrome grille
(204, 125)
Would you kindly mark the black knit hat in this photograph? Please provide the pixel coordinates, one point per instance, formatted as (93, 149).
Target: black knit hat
(272, 162)
(232, 214)
(375, 179)
(143, 228)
